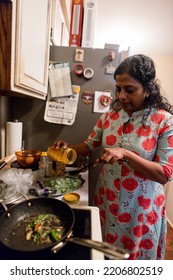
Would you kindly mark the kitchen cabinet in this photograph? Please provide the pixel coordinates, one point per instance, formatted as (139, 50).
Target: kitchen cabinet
(25, 43)
(60, 23)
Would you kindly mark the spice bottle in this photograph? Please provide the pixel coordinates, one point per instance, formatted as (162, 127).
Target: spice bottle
(42, 165)
(66, 156)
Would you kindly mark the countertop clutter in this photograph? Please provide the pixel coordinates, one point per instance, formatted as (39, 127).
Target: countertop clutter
(28, 179)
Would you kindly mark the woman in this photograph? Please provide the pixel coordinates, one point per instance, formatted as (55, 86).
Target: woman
(137, 136)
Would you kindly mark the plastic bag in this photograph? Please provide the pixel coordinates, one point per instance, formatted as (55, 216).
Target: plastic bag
(14, 182)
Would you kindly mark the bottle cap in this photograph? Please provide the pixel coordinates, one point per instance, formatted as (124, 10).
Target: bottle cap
(44, 154)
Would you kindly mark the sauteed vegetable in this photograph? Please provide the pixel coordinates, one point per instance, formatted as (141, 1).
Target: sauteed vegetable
(44, 228)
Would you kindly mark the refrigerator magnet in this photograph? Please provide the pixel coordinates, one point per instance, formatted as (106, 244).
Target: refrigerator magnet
(75, 89)
(79, 55)
(110, 69)
(111, 55)
(87, 97)
(88, 73)
(105, 100)
(79, 69)
(102, 101)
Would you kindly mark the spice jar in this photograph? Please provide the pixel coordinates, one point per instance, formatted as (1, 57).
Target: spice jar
(42, 165)
(66, 156)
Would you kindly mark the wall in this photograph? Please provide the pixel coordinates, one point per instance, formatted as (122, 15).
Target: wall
(145, 26)
(164, 67)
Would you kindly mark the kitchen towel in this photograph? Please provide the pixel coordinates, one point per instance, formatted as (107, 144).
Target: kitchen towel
(13, 137)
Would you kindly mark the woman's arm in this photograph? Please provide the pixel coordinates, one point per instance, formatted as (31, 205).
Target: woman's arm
(81, 149)
(149, 169)
(144, 167)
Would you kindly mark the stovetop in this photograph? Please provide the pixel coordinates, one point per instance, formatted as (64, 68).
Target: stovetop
(71, 251)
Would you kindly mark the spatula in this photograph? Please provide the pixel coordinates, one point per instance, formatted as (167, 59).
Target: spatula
(77, 171)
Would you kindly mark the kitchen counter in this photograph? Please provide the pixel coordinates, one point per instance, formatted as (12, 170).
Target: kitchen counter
(82, 191)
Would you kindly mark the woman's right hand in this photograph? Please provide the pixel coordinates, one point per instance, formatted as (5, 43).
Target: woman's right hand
(60, 143)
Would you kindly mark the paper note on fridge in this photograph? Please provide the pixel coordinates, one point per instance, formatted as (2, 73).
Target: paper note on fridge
(62, 110)
(60, 80)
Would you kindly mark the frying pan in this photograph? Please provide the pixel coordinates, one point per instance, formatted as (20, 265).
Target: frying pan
(12, 236)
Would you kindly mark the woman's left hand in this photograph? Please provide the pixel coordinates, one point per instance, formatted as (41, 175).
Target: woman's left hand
(111, 155)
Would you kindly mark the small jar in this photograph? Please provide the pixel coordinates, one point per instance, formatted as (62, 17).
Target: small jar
(66, 156)
(42, 165)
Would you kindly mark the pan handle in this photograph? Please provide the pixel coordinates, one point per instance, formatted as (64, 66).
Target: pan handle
(12, 200)
(109, 250)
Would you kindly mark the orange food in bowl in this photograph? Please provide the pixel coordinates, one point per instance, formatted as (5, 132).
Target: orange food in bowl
(28, 158)
(72, 197)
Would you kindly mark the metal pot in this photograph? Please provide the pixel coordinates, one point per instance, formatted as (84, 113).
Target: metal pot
(12, 236)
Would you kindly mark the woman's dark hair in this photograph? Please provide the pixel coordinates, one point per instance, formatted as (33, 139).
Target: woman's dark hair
(142, 69)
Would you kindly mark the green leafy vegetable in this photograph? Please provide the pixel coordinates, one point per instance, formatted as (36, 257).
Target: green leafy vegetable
(55, 186)
(44, 228)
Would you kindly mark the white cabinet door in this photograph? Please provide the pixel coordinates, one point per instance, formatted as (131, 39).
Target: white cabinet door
(60, 22)
(31, 43)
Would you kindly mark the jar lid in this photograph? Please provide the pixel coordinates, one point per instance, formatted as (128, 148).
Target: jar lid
(72, 197)
(44, 154)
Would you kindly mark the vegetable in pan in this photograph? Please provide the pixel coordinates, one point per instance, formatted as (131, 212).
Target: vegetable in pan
(44, 228)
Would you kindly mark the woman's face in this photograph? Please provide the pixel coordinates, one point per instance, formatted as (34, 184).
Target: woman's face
(130, 93)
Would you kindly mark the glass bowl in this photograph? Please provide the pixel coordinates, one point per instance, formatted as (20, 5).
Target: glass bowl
(28, 158)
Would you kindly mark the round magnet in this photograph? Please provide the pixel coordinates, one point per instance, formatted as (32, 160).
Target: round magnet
(88, 73)
(79, 69)
(87, 97)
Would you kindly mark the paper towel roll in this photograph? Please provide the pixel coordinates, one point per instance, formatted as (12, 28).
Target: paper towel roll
(13, 137)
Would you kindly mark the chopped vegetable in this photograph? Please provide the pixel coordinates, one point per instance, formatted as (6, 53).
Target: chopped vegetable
(55, 186)
(56, 234)
(45, 228)
(62, 184)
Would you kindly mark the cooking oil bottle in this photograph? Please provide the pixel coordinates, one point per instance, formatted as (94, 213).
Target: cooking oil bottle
(66, 156)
